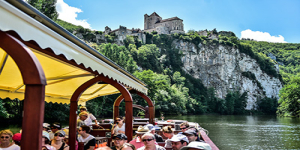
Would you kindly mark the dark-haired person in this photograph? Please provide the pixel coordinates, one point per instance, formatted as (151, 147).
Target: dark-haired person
(178, 141)
(5, 141)
(58, 141)
(119, 126)
(54, 127)
(168, 133)
(88, 140)
(149, 142)
(119, 140)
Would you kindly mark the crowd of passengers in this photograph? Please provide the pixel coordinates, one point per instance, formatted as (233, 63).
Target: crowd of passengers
(56, 138)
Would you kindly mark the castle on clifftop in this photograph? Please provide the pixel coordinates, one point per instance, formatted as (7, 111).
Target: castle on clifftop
(167, 26)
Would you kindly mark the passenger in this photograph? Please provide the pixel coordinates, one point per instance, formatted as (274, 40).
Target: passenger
(46, 127)
(82, 117)
(119, 127)
(149, 142)
(46, 142)
(137, 141)
(119, 140)
(89, 120)
(127, 146)
(184, 126)
(89, 140)
(158, 138)
(66, 139)
(54, 127)
(58, 141)
(5, 138)
(168, 133)
(191, 134)
(17, 138)
(178, 141)
(197, 145)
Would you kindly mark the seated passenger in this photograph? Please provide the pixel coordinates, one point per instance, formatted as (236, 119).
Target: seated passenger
(58, 141)
(5, 141)
(178, 141)
(149, 142)
(184, 126)
(89, 140)
(119, 140)
(197, 145)
(46, 142)
(168, 133)
(82, 117)
(152, 128)
(54, 127)
(137, 141)
(192, 135)
(90, 118)
(17, 138)
(119, 126)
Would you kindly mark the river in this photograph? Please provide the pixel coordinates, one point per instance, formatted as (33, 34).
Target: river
(230, 132)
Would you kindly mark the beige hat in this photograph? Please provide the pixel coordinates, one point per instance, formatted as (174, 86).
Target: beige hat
(142, 130)
(197, 145)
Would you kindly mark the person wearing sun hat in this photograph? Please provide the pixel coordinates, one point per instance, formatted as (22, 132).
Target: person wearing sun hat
(46, 141)
(197, 145)
(152, 129)
(119, 140)
(58, 141)
(178, 141)
(137, 141)
(17, 138)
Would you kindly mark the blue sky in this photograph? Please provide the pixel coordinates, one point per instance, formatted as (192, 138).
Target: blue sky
(263, 20)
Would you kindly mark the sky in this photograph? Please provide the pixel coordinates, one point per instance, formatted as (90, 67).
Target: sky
(261, 20)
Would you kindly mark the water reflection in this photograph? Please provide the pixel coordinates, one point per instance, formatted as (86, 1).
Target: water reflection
(249, 132)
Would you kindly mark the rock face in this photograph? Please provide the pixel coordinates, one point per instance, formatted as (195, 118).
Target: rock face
(221, 67)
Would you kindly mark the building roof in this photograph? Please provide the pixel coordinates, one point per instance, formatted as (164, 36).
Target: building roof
(170, 19)
(155, 14)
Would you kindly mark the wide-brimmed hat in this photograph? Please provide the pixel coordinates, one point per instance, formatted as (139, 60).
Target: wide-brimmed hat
(61, 132)
(46, 135)
(197, 145)
(179, 137)
(56, 125)
(142, 130)
(46, 125)
(120, 136)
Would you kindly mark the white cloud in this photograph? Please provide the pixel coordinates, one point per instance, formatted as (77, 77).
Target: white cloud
(262, 36)
(69, 14)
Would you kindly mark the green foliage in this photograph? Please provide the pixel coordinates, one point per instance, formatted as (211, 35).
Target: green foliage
(68, 26)
(289, 102)
(267, 105)
(3, 112)
(128, 40)
(235, 103)
(47, 7)
(56, 112)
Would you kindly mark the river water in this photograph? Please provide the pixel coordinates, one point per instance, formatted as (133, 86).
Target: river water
(249, 132)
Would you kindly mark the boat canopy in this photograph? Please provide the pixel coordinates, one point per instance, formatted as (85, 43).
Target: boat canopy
(67, 61)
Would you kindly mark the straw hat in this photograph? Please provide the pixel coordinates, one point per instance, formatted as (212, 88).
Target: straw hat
(142, 130)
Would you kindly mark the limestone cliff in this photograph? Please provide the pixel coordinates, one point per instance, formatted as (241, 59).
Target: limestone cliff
(221, 67)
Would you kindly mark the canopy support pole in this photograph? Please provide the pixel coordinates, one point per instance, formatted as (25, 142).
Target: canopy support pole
(74, 107)
(35, 81)
(148, 100)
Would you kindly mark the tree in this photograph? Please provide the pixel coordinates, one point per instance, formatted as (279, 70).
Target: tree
(289, 102)
(47, 7)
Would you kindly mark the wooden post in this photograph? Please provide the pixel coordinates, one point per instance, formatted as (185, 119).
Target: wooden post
(35, 81)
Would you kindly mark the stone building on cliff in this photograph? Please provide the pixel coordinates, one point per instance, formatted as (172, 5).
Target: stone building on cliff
(167, 26)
